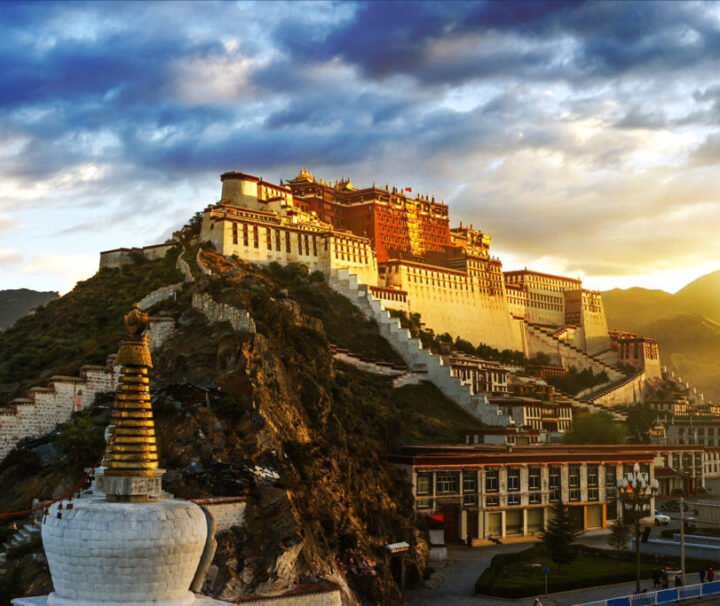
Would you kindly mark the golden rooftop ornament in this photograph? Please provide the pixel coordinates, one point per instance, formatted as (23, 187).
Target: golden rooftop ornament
(131, 449)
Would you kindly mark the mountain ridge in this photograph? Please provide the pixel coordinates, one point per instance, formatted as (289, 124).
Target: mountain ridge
(17, 302)
(686, 325)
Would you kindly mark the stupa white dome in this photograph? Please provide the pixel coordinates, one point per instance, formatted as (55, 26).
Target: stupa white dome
(103, 552)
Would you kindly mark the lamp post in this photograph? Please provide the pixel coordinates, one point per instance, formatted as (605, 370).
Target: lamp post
(636, 494)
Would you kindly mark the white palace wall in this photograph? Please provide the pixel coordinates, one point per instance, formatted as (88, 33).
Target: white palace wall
(453, 302)
(262, 237)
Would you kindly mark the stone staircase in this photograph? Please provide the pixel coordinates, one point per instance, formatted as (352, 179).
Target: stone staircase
(22, 536)
(568, 350)
(412, 352)
(607, 391)
(587, 405)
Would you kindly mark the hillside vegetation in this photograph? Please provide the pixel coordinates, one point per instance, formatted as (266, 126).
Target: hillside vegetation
(14, 304)
(228, 403)
(686, 325)
(82, 327)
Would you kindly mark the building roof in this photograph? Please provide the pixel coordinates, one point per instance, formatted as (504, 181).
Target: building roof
(444, 455)
(520, 272)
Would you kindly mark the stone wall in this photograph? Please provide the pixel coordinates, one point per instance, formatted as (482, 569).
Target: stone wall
(367, 365)
(119, 257)
(563, 353)
(160, 294)
(45, 407)
(161, 328)
(226, 512)
(239, 319)
(630, 391)
(332, 597)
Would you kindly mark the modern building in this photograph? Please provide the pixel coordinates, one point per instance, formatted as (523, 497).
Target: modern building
(489, 491)
(496, 490)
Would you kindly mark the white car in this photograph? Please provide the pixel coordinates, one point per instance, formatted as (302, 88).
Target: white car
(661, 519)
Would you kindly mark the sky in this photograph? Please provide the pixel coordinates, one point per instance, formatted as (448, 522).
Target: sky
(584, 137)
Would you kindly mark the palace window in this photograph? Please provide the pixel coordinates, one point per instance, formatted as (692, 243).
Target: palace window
(554, 483)
(235, 233)
(447, 482)
(611, 507)
(256, 239)
(534, 478)
(469, 488)
(245, 234)
(277, 240)
(513, 479)
(268, 237)
(424, 484)
(491, 480)
(288, 247)
(574, 482)
(592, 475)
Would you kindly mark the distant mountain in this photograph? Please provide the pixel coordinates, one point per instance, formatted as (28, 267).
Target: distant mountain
(702, 296)
(627, 309)
(686, 325)
(14, 304)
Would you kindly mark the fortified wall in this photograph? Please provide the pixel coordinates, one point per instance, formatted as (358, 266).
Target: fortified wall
(45, 407)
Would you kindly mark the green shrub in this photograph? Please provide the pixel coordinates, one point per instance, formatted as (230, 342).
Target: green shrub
(80, 443)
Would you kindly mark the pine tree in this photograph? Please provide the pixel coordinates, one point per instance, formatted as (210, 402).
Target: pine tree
(559, 535)
(619, 536)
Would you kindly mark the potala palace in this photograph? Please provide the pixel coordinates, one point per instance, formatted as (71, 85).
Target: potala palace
(393, 253)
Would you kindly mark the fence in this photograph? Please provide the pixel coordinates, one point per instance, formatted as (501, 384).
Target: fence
(664, 596)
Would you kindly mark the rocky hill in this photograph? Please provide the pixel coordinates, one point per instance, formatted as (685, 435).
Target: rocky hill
(229, 403)
(686, 325)
(14, 304)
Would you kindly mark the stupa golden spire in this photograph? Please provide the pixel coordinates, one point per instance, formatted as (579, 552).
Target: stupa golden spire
(131, 449)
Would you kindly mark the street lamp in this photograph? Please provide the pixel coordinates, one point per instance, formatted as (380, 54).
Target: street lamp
(636, 493)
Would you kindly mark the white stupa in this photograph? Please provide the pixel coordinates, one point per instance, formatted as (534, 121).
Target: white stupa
(131, 544)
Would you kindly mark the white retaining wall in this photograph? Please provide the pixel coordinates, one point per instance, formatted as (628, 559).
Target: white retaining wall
(160, 294)
(45, 407)
(564, 354)
(239, 319)
(226, 512)
(629, 392)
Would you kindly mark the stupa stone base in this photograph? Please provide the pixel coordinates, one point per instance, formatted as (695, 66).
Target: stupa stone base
(51, 600)
(130, 488)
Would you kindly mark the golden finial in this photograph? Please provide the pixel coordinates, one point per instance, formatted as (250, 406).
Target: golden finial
(131, 449)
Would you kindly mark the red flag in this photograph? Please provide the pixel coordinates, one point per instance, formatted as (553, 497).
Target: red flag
(408, 189)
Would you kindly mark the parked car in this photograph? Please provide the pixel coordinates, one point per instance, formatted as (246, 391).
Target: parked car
(661, 519)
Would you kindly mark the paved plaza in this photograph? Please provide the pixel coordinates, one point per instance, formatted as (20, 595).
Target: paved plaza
(453, 582)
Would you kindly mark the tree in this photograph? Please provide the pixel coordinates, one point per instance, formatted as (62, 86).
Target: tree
(619, 536)
(640, 418)
(598, 428)
(559, 535)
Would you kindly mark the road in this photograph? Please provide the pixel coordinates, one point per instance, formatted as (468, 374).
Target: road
(453, 582)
